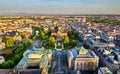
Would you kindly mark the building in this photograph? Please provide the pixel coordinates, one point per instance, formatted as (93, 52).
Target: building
(84, 19)
(29, 71)
(107, 38)
(108, 59)
(2, 59)
(17, 37)
(86, 60)
(0, 39)
(117, 43)
(36, 57)
(45, 27)
(90, 42)
(116, 51)
(83, 59)
(25, 31)
(59, 34)
(118, 72)
(70, 57)
(104, 70)
(2, 44)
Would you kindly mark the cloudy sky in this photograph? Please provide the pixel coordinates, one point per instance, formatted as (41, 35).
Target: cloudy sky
(60, 6)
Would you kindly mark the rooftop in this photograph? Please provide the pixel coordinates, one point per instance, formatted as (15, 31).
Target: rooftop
(83, 51)
(44, 60)
(36, 53)
(105, 70)
(116, 50)
(23, 61)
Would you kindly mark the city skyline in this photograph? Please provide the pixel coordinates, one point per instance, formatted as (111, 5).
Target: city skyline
(43, 44)
(60, 6)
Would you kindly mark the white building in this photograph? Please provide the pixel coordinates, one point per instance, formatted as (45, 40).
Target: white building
(2, 59)
(82, 60)
(35, 57)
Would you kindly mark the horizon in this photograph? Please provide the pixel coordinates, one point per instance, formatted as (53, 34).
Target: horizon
(39, 14)
(60, 7)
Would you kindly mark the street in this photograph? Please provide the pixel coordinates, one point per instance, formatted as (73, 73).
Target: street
(57, 65)
(15, 46)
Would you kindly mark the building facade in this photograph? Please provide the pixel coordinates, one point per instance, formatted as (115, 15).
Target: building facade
(36, 57)
(83, 59)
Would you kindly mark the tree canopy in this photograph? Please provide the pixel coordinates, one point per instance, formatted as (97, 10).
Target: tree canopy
(8, 64)
(66, 40)
(9, 42)
(52, 40)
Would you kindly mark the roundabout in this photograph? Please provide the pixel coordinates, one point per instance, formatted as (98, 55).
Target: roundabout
(57, 39)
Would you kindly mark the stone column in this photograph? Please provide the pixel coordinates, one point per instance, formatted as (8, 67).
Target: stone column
(75, 65)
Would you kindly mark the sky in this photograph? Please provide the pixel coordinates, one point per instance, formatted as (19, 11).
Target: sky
(60, 6)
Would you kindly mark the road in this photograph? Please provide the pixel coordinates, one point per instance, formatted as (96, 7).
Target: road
(59, 62)
(15, 46)
(36, 43)
(65, 61)
(59, 65)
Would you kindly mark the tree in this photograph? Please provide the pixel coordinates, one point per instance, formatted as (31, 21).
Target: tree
(66, 40)
(73, 43)
(16, 58)
(5, 65)
(10, 42)
(69, 33)
(52, 40)
(25, 44)
(54, 36)
(22, 36)
(18, 50)
(43, 35)
(39, 29)
(8, 53)
(73, 35)
(34, 37)
(21, 46)
(85, 46)
(8, 64)
(29, 41)
(46, 32)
